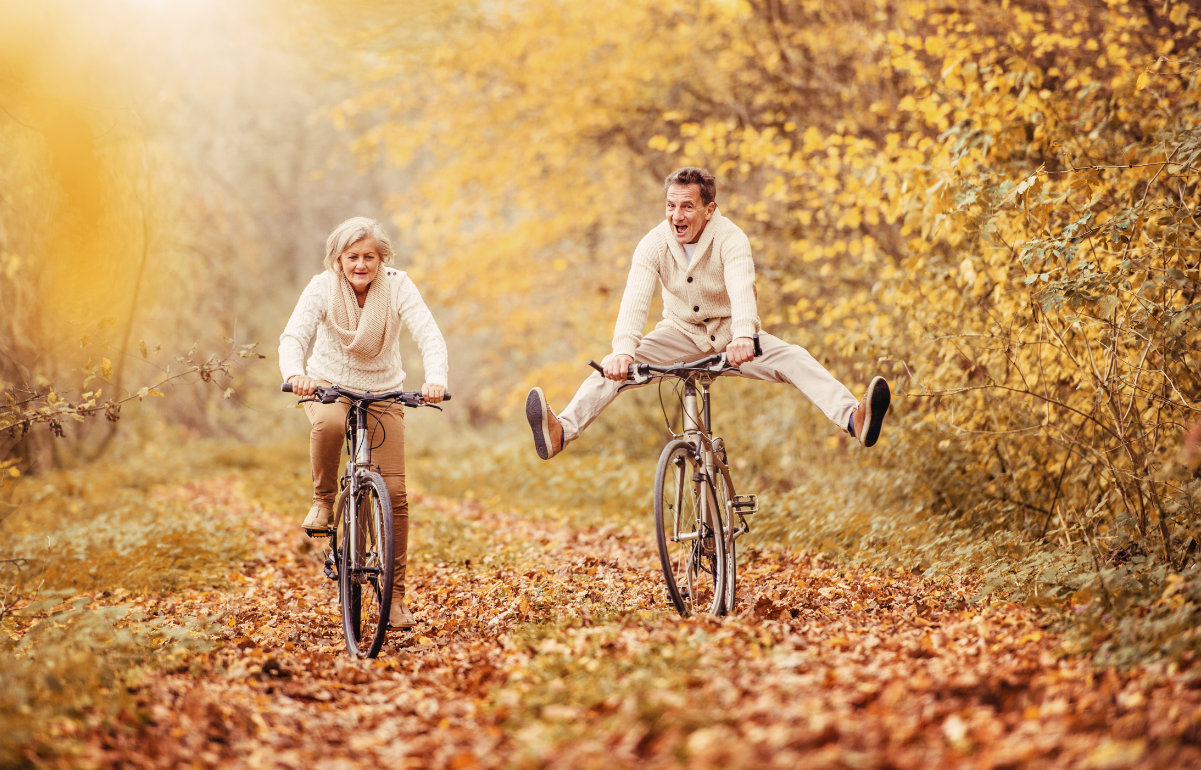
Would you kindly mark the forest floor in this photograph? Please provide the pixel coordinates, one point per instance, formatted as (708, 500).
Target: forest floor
(544, 645)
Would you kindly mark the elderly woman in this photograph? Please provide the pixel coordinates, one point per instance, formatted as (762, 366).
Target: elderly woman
(349, 316)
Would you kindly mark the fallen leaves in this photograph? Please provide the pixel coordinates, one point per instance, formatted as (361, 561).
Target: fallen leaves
(548, 646)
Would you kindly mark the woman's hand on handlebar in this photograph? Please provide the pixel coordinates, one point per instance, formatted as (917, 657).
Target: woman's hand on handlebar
(617, 366)
(302, 385)
(433, 392)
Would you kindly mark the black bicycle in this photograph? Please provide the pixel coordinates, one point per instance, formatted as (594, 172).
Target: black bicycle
(361, 544)
(695, 503)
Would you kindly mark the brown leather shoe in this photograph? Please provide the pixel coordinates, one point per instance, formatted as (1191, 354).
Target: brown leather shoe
(869, 415)
(399, 616)
(319, 522)
(548, 431)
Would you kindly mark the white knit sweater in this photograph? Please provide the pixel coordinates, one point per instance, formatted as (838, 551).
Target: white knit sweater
(308, 328)
(711, 298)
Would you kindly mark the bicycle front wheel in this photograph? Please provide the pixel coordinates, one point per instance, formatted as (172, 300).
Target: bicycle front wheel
(692, 548)
(723, 498)
(365, 566)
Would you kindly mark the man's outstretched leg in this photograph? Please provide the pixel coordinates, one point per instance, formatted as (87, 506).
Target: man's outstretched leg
(552, 432)
(785, 362)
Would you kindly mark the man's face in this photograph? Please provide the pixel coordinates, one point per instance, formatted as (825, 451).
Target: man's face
(685, 212)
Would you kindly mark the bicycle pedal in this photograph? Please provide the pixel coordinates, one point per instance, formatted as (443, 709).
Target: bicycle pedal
(330, 570)
(745, 505)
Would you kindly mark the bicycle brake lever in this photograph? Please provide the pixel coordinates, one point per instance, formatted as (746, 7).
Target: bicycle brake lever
(639, 373)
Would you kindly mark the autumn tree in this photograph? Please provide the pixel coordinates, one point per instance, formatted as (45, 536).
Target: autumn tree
(995, 198)
(162, 208)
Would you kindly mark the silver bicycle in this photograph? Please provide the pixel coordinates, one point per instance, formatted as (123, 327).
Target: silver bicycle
(361, 541)
(698, 516)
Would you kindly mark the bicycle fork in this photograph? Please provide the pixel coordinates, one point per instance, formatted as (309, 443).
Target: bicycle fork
(347, 503)
(698, 417)
(695, 427)
(355, 529)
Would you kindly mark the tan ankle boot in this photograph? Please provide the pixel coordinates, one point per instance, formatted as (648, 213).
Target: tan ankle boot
(400, 617)
(548, 431)
(869, 415)
(319, 521)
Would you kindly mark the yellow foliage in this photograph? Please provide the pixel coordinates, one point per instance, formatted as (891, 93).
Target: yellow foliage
(990, 202)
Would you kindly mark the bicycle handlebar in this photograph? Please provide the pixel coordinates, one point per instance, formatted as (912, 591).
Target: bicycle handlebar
(328, 395)
(715, 363)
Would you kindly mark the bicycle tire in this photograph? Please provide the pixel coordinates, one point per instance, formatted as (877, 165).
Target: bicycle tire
(365, 570)
(689, 552)
(723, 499)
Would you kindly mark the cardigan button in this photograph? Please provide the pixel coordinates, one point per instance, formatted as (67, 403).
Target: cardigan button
(706, 320)
(697, 309)
(689, 279)
(712, 338)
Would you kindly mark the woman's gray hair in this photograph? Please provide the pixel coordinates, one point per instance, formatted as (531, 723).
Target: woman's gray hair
(351, 232)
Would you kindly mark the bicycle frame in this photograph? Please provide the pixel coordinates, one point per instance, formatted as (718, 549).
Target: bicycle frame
(360, 554)
(713, 501)
(697, 430)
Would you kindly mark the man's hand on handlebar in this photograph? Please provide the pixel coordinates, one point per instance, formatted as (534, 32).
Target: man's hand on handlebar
(433, 392)
(740, 350)
(617, 366)
(301, 385)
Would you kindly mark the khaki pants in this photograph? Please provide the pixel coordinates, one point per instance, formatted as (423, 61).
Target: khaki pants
(780, 362)
(386, 432)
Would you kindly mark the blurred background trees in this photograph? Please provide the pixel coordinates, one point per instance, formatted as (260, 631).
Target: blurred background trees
(993, 203)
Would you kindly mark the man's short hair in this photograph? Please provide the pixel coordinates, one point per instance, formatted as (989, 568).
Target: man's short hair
(693, 175)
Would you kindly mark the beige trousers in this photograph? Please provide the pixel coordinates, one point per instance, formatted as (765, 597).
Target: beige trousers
(780, 362)
(386, 432)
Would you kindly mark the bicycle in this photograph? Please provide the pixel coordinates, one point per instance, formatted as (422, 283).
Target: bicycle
(361, 548)
(694, 495)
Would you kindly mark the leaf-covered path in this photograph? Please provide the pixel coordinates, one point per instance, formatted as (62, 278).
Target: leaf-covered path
(546, 646)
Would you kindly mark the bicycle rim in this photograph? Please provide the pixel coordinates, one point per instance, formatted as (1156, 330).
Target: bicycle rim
(365, 569)
(692, 558)
(723, 491)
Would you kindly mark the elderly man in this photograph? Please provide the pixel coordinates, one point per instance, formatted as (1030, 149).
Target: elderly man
(703, 263)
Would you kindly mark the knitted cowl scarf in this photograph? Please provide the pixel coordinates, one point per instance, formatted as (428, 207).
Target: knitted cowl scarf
(363, 332)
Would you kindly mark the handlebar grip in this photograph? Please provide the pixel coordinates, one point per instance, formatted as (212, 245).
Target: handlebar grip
(286, 387)
(758, 347)
(446, 396)
(596, 366)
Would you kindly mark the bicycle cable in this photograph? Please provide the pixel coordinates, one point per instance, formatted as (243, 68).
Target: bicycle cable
(676, 385)
(349, 420)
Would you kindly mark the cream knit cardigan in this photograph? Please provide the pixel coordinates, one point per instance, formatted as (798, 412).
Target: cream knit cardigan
(309, 326)
(711, 299)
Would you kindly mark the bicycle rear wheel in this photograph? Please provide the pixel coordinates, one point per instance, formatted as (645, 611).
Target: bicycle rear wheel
(691, 550)
(365, 547)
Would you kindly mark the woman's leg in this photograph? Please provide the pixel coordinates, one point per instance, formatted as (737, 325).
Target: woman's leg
(325, 449)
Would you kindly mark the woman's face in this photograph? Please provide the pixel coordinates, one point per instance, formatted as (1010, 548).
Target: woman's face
(360, 262)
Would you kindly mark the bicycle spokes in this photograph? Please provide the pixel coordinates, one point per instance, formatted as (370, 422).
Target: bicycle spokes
(365, 569)
(691, 555)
